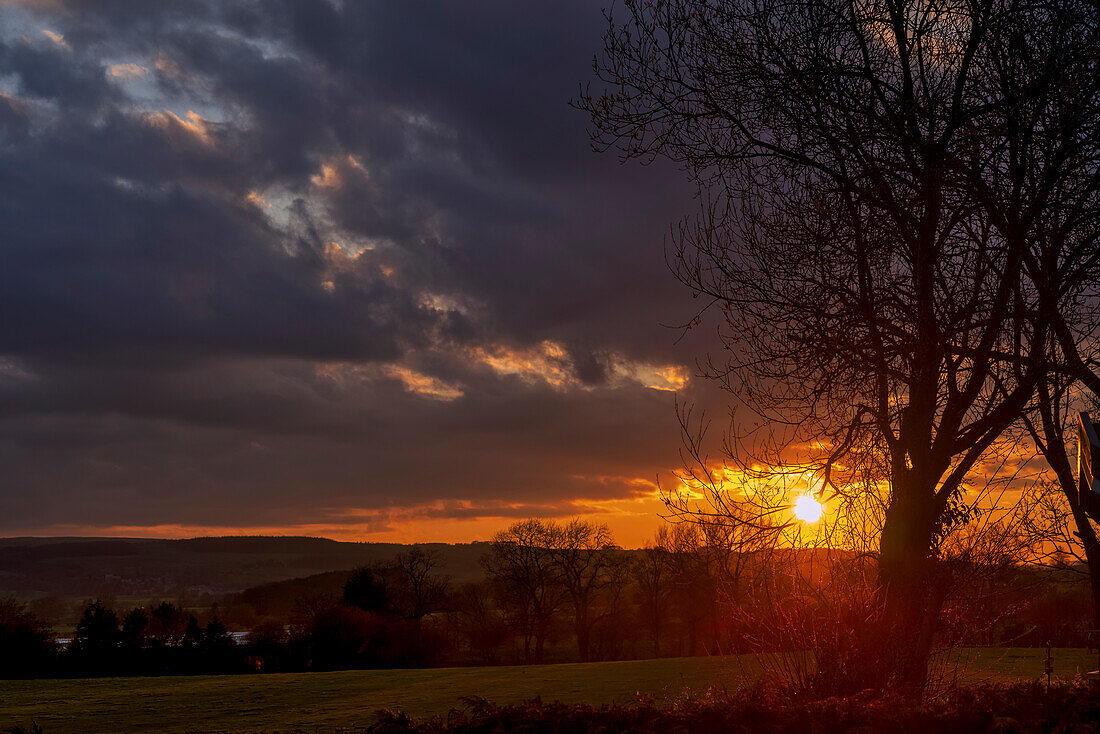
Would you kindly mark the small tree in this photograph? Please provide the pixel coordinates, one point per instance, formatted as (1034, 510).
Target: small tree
(26, 647)
(96, 639)
(344, 637)
(134, 625)
(480, 620)
(216, 637)
(192, 634)
(167, 623)
(420, 591)
(268, 642)
(425, 590)
(367, 590)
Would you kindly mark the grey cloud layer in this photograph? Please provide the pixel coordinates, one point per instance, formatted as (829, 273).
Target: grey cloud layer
(181, 343)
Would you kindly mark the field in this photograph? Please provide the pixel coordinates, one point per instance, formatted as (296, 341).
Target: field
(324, 701)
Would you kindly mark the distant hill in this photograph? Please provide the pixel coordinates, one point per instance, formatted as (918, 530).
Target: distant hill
(278, 597)
(142, 568)
(137, 569)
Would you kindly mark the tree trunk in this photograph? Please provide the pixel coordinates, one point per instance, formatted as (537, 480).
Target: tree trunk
(1057, 456)
(911, 598)
(580, 627)
(1092, 557)
(528, 635)
(656, 635)
(583, 643)
(540, 643)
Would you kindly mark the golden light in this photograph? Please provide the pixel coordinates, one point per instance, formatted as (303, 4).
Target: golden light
(807, 509)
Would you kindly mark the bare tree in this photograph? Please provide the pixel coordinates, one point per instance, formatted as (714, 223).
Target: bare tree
(1063, 523)
(866, 234)
(421, 590)
(480, 620)
(1042, 188)
(587, 563)
(652, 576)
(528, 585)
(694, 593)
(425, 588)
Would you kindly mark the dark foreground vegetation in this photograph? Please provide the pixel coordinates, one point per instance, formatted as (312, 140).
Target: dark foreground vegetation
(967, 711)
(1023, 708)
(324, 702)
(1027, 708)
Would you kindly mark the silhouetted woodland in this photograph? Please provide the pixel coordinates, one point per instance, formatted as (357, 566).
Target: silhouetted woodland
(551, 592)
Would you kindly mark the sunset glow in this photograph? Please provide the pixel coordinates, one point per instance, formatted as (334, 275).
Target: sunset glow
(545, 366)
(807, 509)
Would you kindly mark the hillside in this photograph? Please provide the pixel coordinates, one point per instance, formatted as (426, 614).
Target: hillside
(142, 568)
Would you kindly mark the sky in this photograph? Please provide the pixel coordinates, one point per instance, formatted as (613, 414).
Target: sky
(348, 269)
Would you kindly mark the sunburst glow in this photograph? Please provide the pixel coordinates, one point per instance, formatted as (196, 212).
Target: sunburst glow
(807, 509)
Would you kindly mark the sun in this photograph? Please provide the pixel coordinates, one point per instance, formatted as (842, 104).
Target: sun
(807, 509)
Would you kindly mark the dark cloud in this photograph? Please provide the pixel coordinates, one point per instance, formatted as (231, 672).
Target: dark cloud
(260, 257)
(48, 70)
(282, 446)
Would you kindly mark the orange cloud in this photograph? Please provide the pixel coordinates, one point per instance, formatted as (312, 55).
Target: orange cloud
(550, 362)
(56, 38)
(192, 123)
(328, 178)
(426, 385)
(546, 361)
(168, 66)
(656, 377)
(330, 175)
(126, 71)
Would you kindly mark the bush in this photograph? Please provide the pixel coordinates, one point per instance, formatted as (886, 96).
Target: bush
(26, 648)
(1027, 708)
(345, 637)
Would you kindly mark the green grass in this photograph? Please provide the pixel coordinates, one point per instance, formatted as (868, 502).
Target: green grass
(1012, 664)
(325, 701)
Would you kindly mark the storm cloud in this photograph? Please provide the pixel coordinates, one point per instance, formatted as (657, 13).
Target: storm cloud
(289, 264)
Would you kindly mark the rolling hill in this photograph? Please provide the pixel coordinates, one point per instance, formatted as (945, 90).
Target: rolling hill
(142, 568)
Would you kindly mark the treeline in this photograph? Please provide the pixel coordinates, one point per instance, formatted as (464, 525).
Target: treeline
(162, 639)
(551, 592)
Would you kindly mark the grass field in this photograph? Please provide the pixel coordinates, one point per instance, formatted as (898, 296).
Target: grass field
(324, 701)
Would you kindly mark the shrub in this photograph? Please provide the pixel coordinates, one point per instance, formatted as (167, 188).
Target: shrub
(26, 648)
(1027, 708)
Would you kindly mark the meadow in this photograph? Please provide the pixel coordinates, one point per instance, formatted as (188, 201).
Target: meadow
(327, 701)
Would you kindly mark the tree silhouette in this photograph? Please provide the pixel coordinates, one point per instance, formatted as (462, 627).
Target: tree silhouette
(192, 634)
(134, 624)
(26, 647)
(867, 234)
(97, 636)
(366, 589)
(420, 590)
(167, 623)
(528, 587)
(591, 571)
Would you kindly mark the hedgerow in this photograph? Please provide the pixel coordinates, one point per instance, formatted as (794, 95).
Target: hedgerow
(1003, 709)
